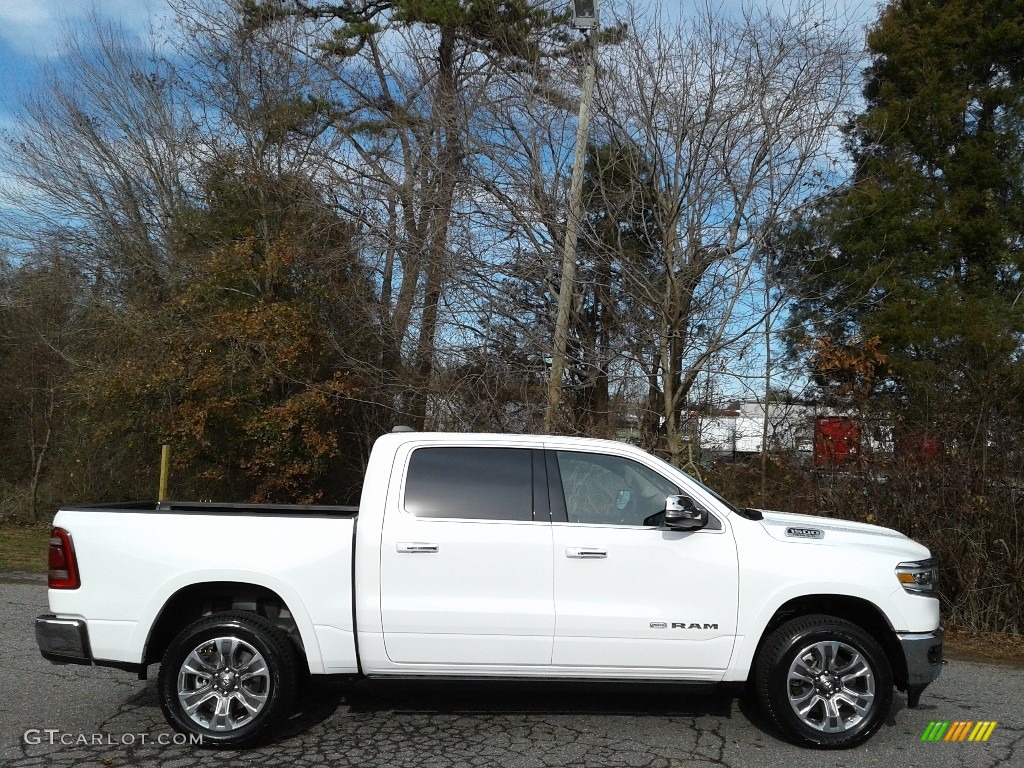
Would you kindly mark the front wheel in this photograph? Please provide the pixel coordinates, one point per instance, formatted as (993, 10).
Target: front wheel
(227, 678)
(824, 682)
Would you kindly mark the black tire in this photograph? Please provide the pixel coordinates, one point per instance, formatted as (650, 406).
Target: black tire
(253, 696)
(844, 710)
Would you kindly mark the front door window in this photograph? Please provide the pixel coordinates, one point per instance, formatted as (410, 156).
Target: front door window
(610, 490)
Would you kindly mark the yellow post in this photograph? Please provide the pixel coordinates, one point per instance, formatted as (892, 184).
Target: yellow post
(165, 468)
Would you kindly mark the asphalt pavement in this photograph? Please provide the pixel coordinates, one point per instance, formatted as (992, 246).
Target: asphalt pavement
(91, 716)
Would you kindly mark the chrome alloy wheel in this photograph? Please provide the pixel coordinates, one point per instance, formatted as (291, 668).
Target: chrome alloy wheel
(831, 686)
(223, 684)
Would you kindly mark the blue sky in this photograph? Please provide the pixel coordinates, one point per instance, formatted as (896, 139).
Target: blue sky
(30, 31)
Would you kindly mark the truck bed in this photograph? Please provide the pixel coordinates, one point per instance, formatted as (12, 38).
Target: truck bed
(221, 508)
(138, 558)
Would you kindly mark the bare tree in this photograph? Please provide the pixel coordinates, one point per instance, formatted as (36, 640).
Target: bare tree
(407, 83)
(733, 119)
(99, 159)
(38, 323)
(517, 189)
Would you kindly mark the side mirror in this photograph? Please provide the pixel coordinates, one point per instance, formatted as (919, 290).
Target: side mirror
(681, 514)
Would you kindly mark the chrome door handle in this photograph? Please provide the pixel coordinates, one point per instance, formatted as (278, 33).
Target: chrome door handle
(586, 553)
(414, 547)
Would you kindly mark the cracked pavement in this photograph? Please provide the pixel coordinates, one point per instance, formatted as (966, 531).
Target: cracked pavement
(449, 725)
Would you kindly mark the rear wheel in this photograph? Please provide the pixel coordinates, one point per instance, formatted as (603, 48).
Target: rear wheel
(824, 682)
(228, 677)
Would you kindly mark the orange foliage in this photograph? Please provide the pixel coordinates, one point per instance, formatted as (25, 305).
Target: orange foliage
(847, 371)
(232, 372)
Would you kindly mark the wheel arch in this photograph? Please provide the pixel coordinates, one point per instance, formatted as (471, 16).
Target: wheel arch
(856, 610)
(195, 600)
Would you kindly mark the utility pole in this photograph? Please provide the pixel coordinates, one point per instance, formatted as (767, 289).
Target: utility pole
(585, 17)
(165, 471)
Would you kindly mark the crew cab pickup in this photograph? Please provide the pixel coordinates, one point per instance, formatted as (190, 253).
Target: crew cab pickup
(497, 556)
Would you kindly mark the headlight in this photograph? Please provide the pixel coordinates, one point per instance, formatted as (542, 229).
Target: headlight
(920, 577)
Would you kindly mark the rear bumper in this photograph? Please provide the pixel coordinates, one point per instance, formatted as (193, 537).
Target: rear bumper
(63, 641)
(923, 654)
(66, 641)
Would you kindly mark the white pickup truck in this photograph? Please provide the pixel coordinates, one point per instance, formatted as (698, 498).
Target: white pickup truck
(497, 556)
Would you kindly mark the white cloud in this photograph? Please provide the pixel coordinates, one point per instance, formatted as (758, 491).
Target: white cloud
(34, 27)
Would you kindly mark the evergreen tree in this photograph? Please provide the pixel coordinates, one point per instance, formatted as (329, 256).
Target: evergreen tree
(620, 239)
(924, 248)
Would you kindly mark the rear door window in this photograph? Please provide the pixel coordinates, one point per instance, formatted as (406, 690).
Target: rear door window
(471, 483)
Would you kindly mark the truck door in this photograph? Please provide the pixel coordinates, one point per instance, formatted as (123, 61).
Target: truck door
(466, 559)
(630, 595)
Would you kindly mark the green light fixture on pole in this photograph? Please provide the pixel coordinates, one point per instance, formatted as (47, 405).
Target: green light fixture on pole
(584, 14)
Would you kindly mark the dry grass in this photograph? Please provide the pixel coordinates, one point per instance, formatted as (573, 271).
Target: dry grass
(969, 645)
(24, 547)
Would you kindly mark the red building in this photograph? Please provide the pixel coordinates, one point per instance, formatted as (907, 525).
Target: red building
(836, 442)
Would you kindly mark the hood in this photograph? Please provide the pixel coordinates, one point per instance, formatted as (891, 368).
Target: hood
(829, 531)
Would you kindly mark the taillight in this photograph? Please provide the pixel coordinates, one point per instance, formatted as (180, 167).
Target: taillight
(63, 567)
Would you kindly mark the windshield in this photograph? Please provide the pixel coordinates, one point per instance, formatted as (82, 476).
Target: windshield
(719, 497)
(732, 507)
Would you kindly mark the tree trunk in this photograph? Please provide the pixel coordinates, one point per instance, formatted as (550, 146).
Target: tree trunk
(38, 454)
(440, 212)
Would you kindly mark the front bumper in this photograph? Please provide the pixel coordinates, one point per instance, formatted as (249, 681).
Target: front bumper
(63, 641)
(922, 652)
